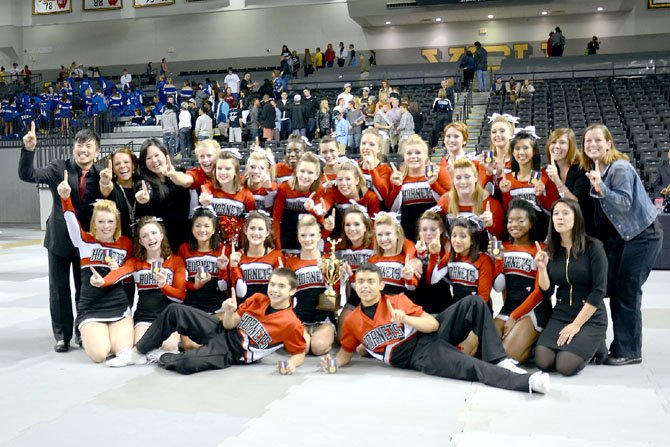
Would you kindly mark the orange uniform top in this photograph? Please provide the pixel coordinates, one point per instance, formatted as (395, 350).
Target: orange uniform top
(283, 172)
(526, 190)
(467, 277)
(369, 202)
(231, 208)
(175, 287)
(311, 284)
(252, 275)
(391, 268)
(481, 171)
(392, 343)
(261, 332)
(516, 273)
(265, 197)
(200, 178)
(380, 180)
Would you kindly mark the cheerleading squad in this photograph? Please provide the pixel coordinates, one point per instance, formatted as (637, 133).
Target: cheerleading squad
(229, 265)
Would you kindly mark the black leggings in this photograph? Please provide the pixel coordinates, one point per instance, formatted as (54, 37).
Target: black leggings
(563, 362)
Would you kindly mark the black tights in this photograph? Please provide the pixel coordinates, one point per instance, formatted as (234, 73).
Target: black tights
(563, 362)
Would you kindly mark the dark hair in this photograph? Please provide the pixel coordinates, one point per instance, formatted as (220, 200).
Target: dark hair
(215, 240)
(558, 30)
(287, 273)
(537, 160)
(133, 159)
(369, 267)
(86, 135)
(478, 44)
(525, 205)
(579, 237)
(367, 223)
(473, 232)
(157, 186)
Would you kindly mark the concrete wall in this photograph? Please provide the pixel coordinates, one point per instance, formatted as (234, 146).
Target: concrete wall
(19, 202)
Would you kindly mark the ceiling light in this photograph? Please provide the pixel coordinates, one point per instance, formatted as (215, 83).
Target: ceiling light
(490, 16)
(600, 8)
(388, 23)
(439, 19)
(544, 13)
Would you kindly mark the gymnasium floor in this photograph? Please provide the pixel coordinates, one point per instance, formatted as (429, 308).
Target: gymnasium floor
(64, 399)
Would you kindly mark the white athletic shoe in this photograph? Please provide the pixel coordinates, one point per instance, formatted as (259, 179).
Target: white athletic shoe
(155, 355)
(539, 382)
(510, 365)
(127, 357)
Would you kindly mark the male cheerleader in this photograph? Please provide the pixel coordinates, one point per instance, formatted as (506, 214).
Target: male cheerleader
(396, 331)
(260, 326)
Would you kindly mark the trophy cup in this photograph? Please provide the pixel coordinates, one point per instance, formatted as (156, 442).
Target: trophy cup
(330, 299)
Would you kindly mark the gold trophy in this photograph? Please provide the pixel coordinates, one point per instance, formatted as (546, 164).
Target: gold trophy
(330, 299)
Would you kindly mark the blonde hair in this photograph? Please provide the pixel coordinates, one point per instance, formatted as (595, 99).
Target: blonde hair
(510, 126)
(106, 206)
(307, 220)
(353, 167)
(208, 144)
(413, 140)
(237, 183)
(387, 219)
(611, 155)
(307, 158)
(478, 195)
(259, 156)
(324, 102)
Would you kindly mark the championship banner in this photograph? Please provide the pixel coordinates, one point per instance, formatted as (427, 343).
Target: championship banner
(144, 3)
(101, 5)
(659, 3)
(51, 6)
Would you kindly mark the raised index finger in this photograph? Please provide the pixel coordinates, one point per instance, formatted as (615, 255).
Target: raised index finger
(65, 176)
(390, 306)
(233, 294)
(32, 127)
(488, 206)
(144, 187)
(393, 167)
(538, 246)
(109, 164)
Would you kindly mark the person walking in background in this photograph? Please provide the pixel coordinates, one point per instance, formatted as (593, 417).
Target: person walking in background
(548, 50)
(341, 55)
(468, 65)
(557, 43)
(329, 56)
(593, 46)
(481, 65)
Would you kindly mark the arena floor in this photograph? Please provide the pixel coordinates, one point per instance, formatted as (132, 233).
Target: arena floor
(64, 399)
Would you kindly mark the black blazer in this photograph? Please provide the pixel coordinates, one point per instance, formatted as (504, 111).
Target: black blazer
(57, 239)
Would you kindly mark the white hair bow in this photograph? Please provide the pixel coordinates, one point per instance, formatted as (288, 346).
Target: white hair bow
(345, 160)
(510, 118)
(232, 151)
(361, 208)
(306, 140)
(530, 130)
(394, 215)
(268, 154)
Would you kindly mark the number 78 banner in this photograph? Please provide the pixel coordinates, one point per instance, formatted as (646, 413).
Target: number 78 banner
(51, 6)
(101, 5)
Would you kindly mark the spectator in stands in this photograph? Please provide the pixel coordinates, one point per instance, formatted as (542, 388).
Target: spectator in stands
(323, 120)
(372, 60)
(229, 97)
(164, 67)
(405, 126)
(253, 120)
(481, 66)
(318, 59)
(383, 125)
(341, 133)
(548, 50)
(633, 236)
(233, 82)
(346, 94)
(526, 91)
(137, 119)
(15, 73)
(284, 106)
(356, 120)
(341, 55)
(235, 124)
(311, 107)
(298, 116)
(662, 183)
(329, 56)
(184, 125)
(417, 116)
(593, 46)
(498, 88)
(170, 129)
(247, 85)
(149, 116)
(557, 43)
(353, 59)
(512, 89)
(285, 51)
(126, 79)
(394, 113)
(26, 73)
(265, 89)
(278, 84)
(443, 107)
(203, 125)
(151, 73)
(222, 109)
(384, 93)
(364, 66)
(267, 118)
(468, 65)
(294, 64)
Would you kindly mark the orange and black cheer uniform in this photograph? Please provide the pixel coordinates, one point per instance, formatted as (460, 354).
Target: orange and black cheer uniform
(210, 296)
(96, 304)
(289, 205)
(283, 172)
(231, 209)
(402, 346)
(152, 299)
(517, 275)
(252, 275)
(261, 331)
(380, 180)
(355, 257)
(265, 197)
(467, 277)
(311, 284)
(391, 268)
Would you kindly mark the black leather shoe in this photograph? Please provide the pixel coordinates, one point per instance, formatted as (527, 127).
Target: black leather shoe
(62, 346)
(620, 361)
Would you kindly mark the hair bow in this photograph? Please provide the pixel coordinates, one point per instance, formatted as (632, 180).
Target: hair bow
(530, 130)
(232, 151)
(359, 207)
(306, 141)
(268, 154)
(208, 208)
(394, 215)
(507, 116)
(263, 212)
(344, 159)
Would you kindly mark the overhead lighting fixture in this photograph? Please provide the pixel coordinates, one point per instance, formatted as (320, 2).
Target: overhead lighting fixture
(439, 19)
(388, 23)
(544, 13)
(600, 8)
(491, 16)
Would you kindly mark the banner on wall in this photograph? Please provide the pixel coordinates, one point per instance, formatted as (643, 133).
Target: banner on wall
(659, 3)
(144, 3)
(101, 5)
(51, 6)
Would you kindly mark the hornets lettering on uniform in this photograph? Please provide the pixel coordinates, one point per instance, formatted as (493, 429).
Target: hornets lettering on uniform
(391, 271)
(463, 272)
(193, 264)
(383, 334)
(527, 194)
(99, 254)
(355, 257)
(415, 192)
(296, 204)
(255, 272)
(520, 262)
(255, 330)
(146, 278)
(227, 207)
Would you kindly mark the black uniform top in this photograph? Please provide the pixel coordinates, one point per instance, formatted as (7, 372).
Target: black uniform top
(57, 239)
(580, 280)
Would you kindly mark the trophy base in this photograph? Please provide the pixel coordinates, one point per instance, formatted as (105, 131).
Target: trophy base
(329, 302)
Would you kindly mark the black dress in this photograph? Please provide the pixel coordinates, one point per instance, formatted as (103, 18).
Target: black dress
(580, 280)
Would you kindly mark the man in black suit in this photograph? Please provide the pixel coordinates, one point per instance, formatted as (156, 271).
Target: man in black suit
(84, 180)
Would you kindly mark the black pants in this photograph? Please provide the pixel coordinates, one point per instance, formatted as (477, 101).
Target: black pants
(199, 326)
(437, 355)
(629, 264)
(60, 295)
(441, 120)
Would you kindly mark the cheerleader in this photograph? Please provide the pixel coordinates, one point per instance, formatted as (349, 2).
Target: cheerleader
(65, 106)
(259, 178)
(392, 256)
(455, 139)
(524, 312)
(469, 199)
(186, 91)
(330, 155)
(292, 201)
(8, 114)
(350, 189)
(432, 239)
(295, 148)
(500, 136)
(160, 277)
(170, 90)
(319, 325)
(370, 149)
(227, 196)
(527, 181)
(115, 102)
(103, 315)
(251, 267)
(411, 191)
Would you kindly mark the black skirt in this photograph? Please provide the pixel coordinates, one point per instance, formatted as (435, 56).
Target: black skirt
(100, 303)
(149, 305)
(585, 343)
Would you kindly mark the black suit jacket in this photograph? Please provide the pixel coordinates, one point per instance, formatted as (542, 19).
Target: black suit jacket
(57, 239)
